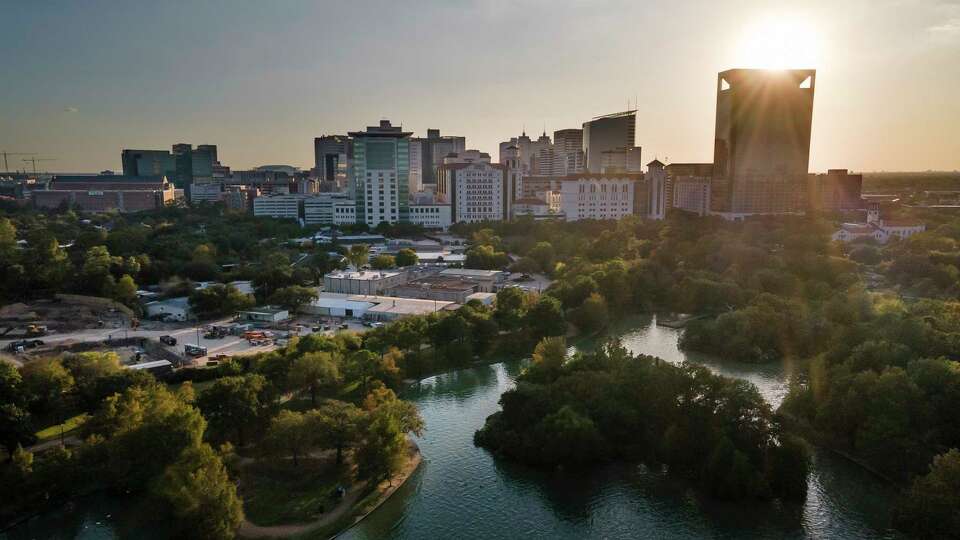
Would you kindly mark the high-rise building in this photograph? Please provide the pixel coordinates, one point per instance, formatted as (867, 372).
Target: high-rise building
(598, 196)
(183, 166)
(688, 187)
(381, 173)
(536, 156)
(331, 156)
(436, 147)
(762, 143)
(474, 189)
(836, 191)
(605, 133)
(512, 180)
(568, 152)
(656, 184)
(416, 165)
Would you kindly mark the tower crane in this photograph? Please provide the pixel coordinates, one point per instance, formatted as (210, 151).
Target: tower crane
(6, 165)
(36, 160)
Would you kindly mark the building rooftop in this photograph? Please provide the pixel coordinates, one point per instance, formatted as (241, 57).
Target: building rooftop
(440, 283)
(363, 275)
(179, 302)
(470, 272)
(107, 179)
(264, 310)
(150, 365)
(383, 304)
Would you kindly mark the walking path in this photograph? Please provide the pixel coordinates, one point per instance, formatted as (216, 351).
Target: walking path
(347, 504)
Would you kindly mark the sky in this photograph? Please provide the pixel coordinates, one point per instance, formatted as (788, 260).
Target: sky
(83, 80)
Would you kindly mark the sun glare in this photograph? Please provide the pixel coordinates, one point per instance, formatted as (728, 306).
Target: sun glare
(779, 43)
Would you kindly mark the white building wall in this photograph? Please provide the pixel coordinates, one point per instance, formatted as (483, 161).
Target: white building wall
(278, 206)
(596, 197)
(479, 193)
(431, 216)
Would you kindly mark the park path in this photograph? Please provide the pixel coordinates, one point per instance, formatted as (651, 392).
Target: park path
(347, 504)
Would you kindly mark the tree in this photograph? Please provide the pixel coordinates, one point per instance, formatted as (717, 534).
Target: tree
(383, 262)
(16, 428)
(11, 384)
(293, 297)
(234, 404)
(544, 254)
(314, 371)
(338, 424)
(384, 434)
(87, 369)
(367, 366)
(290, 433)
(929, 509)
(45, 382)
(484, 257)
(95, 273)
(125, 291)
(545, 318)
(358, 255)
(406, 257)
(201, 495)
(219, 301)
(592, 315)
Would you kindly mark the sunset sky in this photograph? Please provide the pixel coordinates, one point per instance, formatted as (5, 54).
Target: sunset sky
(84, 80)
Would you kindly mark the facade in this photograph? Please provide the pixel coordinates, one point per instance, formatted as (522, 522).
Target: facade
(598, 196)
(486, 280)
(605, 133)
(836, 191)
(530, 153)
(381, 174)
(762, 143)
(435, 148)
(183, 166)
(278, 206)
(332, 155)
(431, 215)
(106, 192)
(619, 160)
(322, 208)
(363, 281)
(416, 165)
(264, 315)
(210, 192)
(512, 179)
(474, 190)
(444, 288)
(656, 190)
(691, 194)
(568, 152)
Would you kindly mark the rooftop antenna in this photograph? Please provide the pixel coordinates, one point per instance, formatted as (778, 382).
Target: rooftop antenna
(6, 165)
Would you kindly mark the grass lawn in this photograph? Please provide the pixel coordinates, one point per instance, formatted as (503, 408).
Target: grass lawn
(277, 493)
(69, 425)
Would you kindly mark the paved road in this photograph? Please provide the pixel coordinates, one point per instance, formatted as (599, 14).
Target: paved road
(193, 335)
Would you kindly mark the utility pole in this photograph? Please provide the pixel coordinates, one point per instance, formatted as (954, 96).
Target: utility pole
(35, 160)
(6, 164)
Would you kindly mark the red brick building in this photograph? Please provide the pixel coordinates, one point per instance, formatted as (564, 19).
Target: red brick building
(106, 192)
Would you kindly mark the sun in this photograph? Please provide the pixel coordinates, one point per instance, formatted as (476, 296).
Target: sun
(781, 42)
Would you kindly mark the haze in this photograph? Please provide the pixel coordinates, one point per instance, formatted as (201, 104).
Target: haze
(260, 80)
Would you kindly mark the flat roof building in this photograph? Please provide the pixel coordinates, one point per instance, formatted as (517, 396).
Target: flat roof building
(106, 192)
(363, 282)
(382, 308)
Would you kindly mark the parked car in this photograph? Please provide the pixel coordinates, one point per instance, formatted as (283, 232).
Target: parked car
(168, 340)
(344, 326)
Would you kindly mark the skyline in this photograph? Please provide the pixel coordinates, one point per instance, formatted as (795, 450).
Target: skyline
(258, 81)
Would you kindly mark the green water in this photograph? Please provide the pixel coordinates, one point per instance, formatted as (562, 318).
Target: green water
(462, 492)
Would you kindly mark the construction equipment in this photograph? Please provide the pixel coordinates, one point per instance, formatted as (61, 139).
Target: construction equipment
(36, 330)
(36, 160)
(6, 165)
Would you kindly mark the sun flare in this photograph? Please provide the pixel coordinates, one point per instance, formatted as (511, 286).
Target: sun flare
(779, 43)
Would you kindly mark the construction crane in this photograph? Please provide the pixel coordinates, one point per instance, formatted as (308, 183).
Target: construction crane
(6, 165)
(35, 160)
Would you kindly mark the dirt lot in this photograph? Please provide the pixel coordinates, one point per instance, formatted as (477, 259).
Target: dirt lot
(57, 315)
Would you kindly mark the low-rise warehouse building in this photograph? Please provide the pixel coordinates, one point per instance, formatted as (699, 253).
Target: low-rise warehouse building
(363, 282)
(265, 314)
(486, 279)
(439, 287)
(379, 308)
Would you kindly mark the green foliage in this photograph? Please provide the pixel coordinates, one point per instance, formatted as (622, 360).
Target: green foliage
(293, 298)
(383, 262)
(929, 509)
(203, 498)
(611, 404)
(218, 301)
(314, 371)
(406, 257)
(358, 255)
(234, 405)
